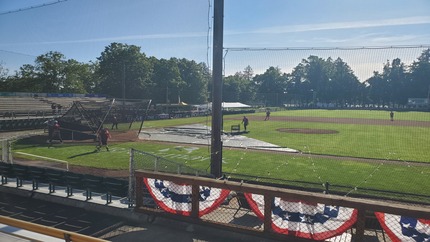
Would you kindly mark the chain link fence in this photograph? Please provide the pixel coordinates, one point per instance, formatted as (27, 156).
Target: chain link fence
(140, 160)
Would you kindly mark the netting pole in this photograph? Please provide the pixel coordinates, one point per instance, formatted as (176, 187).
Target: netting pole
(144, 117)
(156, 164)
(104, 118)
(216, 144)
(5, 151)
(131, 179)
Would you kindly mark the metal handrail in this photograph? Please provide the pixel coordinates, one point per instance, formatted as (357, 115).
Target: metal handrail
(53, 232)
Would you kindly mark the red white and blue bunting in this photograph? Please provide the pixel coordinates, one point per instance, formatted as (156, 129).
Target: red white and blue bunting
(176, 198)
(401, 228)
(312, 221)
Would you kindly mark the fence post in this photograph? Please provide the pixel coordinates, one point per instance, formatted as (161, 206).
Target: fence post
(6, 151)
(267, 213)
(132, 181)
(360, 225)
(156, 164)
(195, 200)
(139, 192)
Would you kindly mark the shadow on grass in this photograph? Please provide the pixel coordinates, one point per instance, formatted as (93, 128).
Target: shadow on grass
(83, 154)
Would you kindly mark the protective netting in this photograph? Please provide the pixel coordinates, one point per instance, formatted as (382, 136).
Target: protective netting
(364, 61)
(146, 161)
(404, 228)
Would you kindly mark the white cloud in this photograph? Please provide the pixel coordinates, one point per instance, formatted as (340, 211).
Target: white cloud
(338, 25)
(371, 38)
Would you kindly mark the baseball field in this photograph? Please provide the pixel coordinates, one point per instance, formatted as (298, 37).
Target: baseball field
(357, 152)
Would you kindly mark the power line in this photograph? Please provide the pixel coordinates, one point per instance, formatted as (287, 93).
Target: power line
(17, 53)
(32, 7)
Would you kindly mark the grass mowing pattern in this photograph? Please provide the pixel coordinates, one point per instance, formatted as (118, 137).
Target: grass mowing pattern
(346, 175)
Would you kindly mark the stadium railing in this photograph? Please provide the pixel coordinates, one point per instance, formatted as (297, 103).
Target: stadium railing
(227, 217)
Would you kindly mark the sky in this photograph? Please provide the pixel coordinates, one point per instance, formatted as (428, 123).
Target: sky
(81, 29)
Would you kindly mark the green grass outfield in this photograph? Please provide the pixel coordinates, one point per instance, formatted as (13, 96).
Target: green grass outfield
(355, 140)
(367, 114)
(367, 141)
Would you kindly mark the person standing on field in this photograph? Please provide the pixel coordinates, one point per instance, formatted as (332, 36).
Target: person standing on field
(114, 123)
(391, 116)
(245, 122)
(267, 115)
(104, 135)
(54, 130)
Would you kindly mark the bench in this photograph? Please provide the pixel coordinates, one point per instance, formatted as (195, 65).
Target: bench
(235, 128)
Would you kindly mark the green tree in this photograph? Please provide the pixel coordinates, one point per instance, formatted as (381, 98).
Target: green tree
(50, 69)
(76, 74)
(271, 86)
(3, 77)
(232, 88)
(298, 87)
(26, 79)
(240, 87)
(3, 71)
(344, 85)
(51, 73)
(196, 78)
(395, 76)
(124, 72)
(420, 76)
(377, 89)
(167, 80)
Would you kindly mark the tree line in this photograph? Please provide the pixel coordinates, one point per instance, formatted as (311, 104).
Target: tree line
(123, 71)
(332, 82)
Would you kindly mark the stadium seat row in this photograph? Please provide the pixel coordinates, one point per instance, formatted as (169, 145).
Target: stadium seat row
(22, 124)
(53, 177)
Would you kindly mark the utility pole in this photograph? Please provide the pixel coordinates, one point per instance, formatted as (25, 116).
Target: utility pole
(216, 143)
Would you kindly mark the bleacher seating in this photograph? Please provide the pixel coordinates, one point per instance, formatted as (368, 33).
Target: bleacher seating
(67, 102)
(23, 106)
(90, 184)
(39, 106)
(26, 112)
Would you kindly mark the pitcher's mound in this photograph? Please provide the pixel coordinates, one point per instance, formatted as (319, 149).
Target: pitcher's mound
(308, 131)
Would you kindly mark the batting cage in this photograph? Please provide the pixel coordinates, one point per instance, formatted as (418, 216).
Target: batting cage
(83, 120)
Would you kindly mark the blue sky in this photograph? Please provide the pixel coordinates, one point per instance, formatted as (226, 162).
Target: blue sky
(81, 29)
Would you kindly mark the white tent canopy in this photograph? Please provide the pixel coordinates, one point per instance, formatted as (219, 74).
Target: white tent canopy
(225, 105)
(233, 105)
